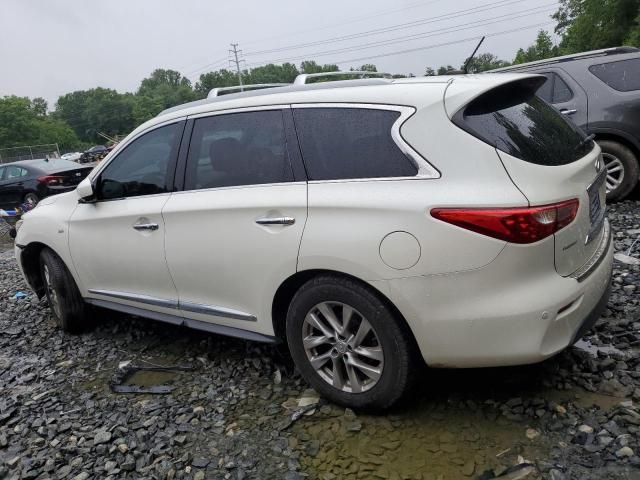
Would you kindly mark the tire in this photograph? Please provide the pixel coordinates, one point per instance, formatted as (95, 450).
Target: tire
(388, 335)
(31, 198)
(66, 304)
(625, 178)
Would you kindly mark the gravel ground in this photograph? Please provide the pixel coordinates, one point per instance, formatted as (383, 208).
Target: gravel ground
(236, 412)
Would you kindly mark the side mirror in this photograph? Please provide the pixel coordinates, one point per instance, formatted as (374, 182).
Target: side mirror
(85, 190)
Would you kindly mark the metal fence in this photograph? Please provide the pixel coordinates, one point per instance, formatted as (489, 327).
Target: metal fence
(29, 152)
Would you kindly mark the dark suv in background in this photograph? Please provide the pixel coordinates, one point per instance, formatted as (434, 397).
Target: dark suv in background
(600, 92)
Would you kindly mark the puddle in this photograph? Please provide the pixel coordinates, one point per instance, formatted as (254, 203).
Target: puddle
(436, 442)
(588, 347)
(583, 398)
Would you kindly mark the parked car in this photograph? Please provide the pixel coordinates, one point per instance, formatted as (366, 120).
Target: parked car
(369, 224)
(71, 156)
(94, 154)
(600, 92)
(29, 181)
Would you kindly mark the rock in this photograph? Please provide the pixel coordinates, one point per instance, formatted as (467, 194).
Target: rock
(123, 448)
(199, 475)
(468, 468)
(200, 462)
(81, 476)
(101, 436)
(625, 452)
(532, 433)
(585, 429)
(626, 259)
(555, 474)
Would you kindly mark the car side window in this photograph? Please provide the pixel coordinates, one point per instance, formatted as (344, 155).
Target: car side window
(555, 89)
(142, 168)
(236, 149)
(561, 91)
(623, 75)
(347, 143)
(14, 172)
(2, 171)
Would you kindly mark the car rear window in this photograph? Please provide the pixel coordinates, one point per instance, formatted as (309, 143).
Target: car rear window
(54, 164)
(513, 119)
(623, 75)
(346, 143)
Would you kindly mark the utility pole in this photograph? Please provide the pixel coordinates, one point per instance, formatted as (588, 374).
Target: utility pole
(234, 50)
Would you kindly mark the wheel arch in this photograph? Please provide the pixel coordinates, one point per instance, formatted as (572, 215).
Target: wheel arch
(30, 262)
(288, 288)
(615, 136)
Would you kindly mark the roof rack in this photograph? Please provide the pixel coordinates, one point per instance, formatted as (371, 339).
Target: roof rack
(574, 56)
(216, 92)
(303, 77)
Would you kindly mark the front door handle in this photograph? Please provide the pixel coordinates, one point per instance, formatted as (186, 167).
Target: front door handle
(276, 221)
(567, 111)
(146, 226)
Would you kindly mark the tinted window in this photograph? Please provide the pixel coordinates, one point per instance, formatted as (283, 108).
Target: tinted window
(142, 168)
(513, 119)
(561, 91)
(238, 149)
(545, 91)
(53, 164)
(623, 75)
(14, 172)
(342, 143)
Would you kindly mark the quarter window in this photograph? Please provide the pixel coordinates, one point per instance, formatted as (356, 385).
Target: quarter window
(237, 149)
(555, 89)
(345, 143)
(142, 168)
(623, 75)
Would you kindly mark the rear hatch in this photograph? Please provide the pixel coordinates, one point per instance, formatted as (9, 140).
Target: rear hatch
(548, 158)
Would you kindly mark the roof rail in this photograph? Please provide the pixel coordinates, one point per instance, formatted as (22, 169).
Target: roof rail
(303, 77)
(573, 56)
(216, 92)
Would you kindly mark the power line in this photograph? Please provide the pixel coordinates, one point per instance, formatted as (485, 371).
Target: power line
(432, 33)
(392, 28)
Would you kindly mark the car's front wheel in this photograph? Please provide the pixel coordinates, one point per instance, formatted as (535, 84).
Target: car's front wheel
(348, 344)
(66, 303)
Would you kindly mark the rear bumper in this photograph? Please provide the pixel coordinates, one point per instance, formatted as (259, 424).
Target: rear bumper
(516, 310)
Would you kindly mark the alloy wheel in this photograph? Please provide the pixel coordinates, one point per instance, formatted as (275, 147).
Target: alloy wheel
(615, 171)
(51, 290)
(342, 347)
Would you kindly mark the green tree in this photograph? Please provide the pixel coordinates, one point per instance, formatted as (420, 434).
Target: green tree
(271, 73)
(217, 79)
(39, 106)
(429, 72)
(542, 48)
(484, 62)
(592, 24)
(368, 67)
(22, 124)
(97, 110)
(310, 66)
(161, 90)
(442, 70)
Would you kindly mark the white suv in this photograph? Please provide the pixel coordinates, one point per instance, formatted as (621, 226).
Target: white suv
(366, 223)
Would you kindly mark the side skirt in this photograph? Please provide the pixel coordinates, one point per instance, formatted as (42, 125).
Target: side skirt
(181, 321)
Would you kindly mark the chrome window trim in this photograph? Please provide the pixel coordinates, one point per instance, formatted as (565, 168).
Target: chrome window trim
(256, 108)
(236, 187)
(425, 169)
(177, 305)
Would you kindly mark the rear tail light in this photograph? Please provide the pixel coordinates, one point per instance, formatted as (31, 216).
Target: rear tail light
(515, 225)
(51, 180)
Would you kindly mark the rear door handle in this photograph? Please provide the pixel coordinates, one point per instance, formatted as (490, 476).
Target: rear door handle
(567, 111)
(146, 226)
(276, 221)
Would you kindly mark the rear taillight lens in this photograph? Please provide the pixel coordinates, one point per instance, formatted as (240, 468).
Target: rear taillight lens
(515, 225)
(51, 180)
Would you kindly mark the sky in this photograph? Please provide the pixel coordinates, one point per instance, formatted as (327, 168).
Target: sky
(52, 47)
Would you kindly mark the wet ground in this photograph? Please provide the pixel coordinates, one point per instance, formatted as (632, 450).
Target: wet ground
(238, 413)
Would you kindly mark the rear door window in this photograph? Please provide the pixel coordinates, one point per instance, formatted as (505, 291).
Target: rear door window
(555, 89)
(347, 143)
(513, 119)
(237, 149)
(623, 75)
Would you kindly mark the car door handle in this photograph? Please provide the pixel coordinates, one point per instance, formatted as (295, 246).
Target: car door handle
(146, 226)
(276, 221)
(567, 111)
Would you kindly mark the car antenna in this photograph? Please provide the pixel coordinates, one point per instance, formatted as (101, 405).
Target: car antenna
(466, 64)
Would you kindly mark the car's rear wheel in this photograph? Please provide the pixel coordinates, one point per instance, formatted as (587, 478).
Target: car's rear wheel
(622, 169)
(32, 199)
(66, 303)
(348, 344)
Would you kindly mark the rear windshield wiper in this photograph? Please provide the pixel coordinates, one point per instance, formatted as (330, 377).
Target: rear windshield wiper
(585, 140)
